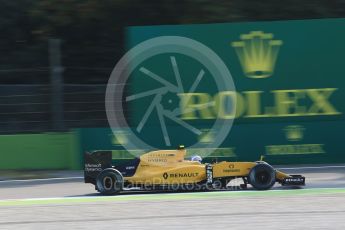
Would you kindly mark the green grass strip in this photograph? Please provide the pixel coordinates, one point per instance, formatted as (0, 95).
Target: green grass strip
(173, 196)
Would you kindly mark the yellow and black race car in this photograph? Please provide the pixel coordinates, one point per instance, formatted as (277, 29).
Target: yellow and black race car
(168, 170)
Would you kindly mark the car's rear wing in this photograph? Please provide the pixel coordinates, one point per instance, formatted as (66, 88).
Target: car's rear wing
(94, 163)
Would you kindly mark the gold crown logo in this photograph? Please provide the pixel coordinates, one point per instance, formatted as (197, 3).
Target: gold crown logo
(257, 53)
(294, 132)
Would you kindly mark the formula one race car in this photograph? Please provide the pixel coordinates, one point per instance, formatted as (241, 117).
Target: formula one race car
(168, 170)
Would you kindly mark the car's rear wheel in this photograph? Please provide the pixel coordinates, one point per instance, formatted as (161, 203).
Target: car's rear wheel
(109, 182)
(262, 176)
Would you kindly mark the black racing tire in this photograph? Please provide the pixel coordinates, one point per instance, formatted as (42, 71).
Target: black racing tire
(109, 182)
(262, 176)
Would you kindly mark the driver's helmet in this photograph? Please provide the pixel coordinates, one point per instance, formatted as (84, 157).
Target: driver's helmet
(196, 158)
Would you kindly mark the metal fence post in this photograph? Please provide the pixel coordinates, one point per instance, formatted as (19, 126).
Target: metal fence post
(56, 82)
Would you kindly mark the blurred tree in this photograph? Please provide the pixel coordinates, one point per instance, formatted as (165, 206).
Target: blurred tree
(20, 54)
(92, 30)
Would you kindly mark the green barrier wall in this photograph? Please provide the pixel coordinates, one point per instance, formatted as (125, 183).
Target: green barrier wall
(103, 138)
(40, 151)
(290, 90)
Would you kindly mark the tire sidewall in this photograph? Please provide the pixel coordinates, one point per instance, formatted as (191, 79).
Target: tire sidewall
(117, 182)
(260, 168)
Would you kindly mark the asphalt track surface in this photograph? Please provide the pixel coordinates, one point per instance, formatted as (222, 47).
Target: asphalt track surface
(71, 204)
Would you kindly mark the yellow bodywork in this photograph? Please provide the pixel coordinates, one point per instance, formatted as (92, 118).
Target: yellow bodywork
(167, 167)
(170, 167)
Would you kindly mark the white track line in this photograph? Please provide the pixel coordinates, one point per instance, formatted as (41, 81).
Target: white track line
(314, 167)
(205, 194)
(45, 179)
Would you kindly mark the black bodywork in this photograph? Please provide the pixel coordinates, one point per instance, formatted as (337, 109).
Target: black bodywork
(97, 161)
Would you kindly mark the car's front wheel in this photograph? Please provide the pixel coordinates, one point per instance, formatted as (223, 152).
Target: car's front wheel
(262, 176)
